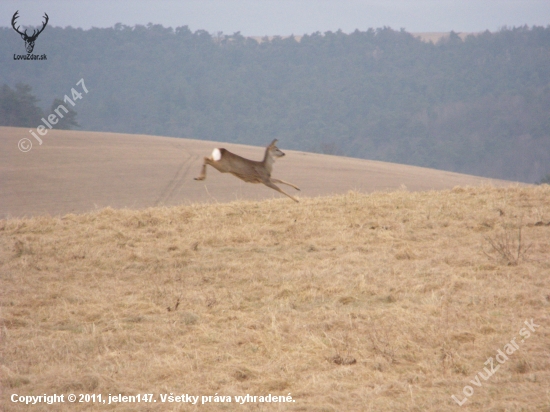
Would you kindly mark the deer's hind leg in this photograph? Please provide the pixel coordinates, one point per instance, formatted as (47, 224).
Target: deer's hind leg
(202, 176)
(278, 189)
(284, 183)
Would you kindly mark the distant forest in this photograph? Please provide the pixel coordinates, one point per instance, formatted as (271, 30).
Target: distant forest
(479, 105)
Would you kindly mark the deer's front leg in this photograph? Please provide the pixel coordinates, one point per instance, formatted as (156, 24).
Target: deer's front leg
(272, 185)
(284, 183)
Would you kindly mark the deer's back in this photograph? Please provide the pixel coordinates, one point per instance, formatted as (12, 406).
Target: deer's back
(248, 170)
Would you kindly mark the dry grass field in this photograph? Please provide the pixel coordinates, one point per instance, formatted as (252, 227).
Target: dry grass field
(388, 301)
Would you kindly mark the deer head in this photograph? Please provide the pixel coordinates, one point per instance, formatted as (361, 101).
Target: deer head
(29, 40)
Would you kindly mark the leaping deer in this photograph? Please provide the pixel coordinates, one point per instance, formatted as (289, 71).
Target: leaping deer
(29, 40)
(248, 170)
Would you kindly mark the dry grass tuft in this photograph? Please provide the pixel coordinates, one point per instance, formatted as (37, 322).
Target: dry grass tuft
(387, 301)
(509, 247)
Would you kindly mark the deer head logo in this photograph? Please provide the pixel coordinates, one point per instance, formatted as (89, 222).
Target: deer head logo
(29, 40)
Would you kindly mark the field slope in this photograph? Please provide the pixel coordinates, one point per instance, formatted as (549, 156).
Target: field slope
(388, 301)
(75, 172)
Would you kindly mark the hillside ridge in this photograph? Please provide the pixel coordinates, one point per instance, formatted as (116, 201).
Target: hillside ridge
(77, 171)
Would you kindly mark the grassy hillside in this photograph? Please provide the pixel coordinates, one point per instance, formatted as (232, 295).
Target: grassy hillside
(386, 302)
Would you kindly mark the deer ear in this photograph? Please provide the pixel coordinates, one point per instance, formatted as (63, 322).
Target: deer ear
(273, 142)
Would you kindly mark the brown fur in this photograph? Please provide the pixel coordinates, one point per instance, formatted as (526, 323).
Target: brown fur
(249, 170)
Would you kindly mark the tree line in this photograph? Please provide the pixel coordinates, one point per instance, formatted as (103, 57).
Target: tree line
(479, 105)
(18, 108)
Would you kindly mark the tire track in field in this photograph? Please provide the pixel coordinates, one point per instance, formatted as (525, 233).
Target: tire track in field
(176, 181)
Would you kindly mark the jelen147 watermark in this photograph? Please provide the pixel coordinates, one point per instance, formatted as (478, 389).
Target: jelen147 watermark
(25, 144)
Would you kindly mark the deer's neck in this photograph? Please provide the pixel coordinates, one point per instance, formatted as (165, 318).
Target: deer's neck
(268, 161)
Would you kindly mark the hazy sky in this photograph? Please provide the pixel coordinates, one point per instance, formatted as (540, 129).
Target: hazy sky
(284, 17)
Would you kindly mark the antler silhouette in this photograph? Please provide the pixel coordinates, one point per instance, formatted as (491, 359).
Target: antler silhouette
(15, 16)
(29, 40)
(43, 26)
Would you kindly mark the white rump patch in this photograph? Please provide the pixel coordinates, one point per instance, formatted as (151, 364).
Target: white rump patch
(216, 155)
